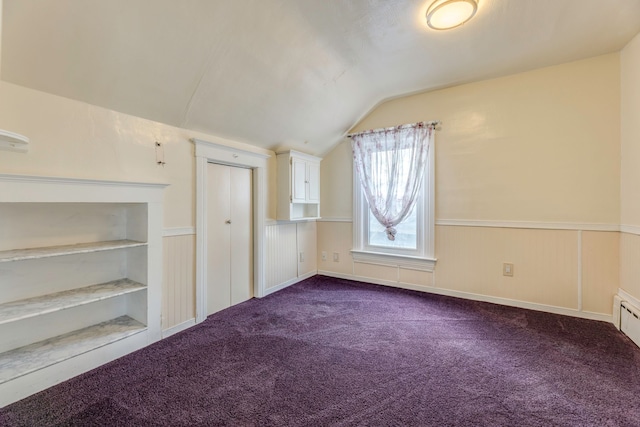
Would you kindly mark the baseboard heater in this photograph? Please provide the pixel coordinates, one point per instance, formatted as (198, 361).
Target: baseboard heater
(629, 320)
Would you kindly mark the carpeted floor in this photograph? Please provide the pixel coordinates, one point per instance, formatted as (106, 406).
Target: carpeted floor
(334, 352)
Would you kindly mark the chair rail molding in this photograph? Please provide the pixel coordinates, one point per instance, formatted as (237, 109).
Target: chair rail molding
(209, 152)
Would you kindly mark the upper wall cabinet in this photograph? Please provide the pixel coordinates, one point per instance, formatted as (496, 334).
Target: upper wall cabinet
(298, 186)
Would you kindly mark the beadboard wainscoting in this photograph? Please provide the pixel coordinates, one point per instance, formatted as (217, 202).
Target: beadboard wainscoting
(567, 271)
(291, 253)
(178, 285)
(629, 265)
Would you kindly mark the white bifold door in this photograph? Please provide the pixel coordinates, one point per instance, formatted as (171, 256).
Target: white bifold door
(229, 237)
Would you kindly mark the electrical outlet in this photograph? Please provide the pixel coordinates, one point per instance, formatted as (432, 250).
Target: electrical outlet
(336, 257)
(324, 255)
(507, 269)
(301, 256)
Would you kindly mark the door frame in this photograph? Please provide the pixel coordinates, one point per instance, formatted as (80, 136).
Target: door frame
(211, 152)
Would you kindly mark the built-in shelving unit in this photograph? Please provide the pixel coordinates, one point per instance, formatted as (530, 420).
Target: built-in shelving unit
(52, 251)
(80, 277)
(25, 360)
(298, 186)
(44, 304)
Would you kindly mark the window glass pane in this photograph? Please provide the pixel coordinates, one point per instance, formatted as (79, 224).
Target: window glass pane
(406, 237)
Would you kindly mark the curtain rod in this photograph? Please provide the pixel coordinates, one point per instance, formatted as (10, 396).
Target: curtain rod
(433, 123)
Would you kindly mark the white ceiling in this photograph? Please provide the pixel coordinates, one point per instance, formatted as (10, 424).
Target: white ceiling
(280, 73)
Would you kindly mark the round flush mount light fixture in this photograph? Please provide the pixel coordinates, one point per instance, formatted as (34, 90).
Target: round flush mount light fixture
(447, 14)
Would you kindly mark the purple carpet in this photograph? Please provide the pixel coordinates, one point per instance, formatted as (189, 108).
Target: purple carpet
(341, 353)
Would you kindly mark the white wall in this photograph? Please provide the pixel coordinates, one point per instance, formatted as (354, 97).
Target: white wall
(73, 139)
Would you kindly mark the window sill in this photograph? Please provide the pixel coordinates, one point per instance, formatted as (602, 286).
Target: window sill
(393, 260)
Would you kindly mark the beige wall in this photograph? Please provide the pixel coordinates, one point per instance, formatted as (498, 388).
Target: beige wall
(536, 146)
(568, 270)
(630, 172)
(336, 182)
(630, 126)
(74, 139)
(539, 147)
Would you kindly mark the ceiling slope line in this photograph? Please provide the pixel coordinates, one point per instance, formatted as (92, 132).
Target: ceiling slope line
(205, 70)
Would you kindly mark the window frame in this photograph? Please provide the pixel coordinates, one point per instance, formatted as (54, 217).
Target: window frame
(422, 258)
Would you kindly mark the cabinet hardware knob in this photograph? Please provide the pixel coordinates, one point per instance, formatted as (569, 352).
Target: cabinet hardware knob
(228, 221)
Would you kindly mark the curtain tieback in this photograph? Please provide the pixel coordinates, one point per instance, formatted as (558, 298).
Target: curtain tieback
(391, 233)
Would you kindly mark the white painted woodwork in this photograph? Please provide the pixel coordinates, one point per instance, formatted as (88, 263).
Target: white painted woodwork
(218, 238)
(241, 232)
(80, 275)
(10, 141)
(281, 254)
(207, 152)
(298, 180)
(630, 321)
(178, 282)
(291, 253)
(307, 247)
(229, 237)
(298, 186)
(313, 177)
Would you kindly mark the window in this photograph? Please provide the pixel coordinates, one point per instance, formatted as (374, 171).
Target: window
(414, 239)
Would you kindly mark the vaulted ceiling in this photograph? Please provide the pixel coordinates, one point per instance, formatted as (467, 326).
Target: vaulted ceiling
(286, 73)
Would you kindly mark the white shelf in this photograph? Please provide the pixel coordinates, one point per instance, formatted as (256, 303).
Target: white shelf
(24, 309)
(28, 359)
(54, 251)
(13, 141)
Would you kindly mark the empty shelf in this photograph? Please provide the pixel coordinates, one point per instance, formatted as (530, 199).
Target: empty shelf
(23, 309)
(52, 251)
(30, 358)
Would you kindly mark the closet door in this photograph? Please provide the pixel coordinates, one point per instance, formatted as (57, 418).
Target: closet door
(241, 236)
(229, 237)
(218, 238)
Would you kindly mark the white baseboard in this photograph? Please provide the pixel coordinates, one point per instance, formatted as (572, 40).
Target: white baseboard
(178, 328)
(475, 297)
(288, 283)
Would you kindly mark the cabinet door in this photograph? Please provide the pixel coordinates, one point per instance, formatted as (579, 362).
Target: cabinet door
(313, 179)
(298, 180)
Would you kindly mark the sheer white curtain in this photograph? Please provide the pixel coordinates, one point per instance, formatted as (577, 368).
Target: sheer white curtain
(390, 164)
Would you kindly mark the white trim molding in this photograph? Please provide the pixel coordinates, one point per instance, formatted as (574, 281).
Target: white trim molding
(393, 260)
(288, 283)
(530, 224)
(337, 219)
(178, 231)
(178, 328)
(476, 297)
(625, 296)
(630, 229)
(425, 215)
(209, 152)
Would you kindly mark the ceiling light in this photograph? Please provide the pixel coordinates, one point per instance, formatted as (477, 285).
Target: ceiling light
(446, 14)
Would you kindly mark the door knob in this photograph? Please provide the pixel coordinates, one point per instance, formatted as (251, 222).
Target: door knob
(228, 221)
